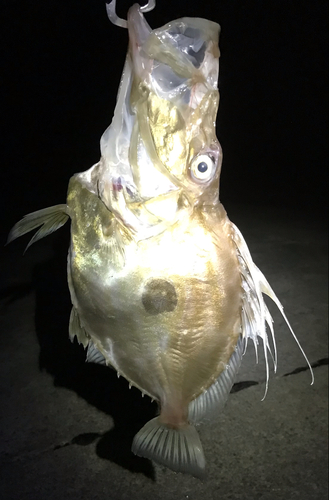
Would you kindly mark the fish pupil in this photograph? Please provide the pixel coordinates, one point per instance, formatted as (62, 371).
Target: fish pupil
(202, 167)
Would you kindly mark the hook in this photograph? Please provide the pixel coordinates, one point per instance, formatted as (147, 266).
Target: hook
(110, 9)
(148, 7)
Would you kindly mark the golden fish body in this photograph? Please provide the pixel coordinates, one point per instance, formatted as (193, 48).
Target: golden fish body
(163, 285)
(168, 319)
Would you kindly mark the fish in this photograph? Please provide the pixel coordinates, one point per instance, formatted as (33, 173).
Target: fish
(162, 283)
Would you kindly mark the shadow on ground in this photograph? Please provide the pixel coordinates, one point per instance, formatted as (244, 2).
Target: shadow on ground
(98, 385)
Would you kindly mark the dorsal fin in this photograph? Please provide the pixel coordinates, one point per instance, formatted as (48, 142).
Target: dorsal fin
(255, 313)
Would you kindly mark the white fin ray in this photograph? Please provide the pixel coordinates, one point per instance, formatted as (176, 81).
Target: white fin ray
(94, 355)
(208, 405)
(269, 321)
(51, 219)
(255, 313)
(267, 289)
(76, 330)
(179, 449)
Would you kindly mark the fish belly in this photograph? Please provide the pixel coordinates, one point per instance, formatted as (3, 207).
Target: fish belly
(167, 314)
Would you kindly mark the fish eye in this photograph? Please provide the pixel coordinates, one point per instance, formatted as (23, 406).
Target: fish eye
(203, 167)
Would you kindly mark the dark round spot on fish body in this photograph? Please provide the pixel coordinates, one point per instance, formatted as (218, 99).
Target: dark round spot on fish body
(159, 296)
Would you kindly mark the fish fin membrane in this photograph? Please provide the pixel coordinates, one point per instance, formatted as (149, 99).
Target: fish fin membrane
(255, 314)
(94, 355)
(179, 449)
(211, 402)
(50, 219)
(76, 330)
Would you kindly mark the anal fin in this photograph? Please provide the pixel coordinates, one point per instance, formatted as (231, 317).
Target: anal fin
(94, 355)
(76, 330)
(211, 402)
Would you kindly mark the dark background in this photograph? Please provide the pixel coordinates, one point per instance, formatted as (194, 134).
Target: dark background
(61, 67)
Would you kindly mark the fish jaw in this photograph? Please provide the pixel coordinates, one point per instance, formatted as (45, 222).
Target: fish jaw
(163, 122)
(175, 98)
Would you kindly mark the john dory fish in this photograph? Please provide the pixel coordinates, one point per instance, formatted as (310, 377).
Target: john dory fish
(163, 286)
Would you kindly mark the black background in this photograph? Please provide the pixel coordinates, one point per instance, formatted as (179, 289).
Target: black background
(62, 61)
(61, 64)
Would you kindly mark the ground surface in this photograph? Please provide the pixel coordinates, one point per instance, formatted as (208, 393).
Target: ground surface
(66, 427)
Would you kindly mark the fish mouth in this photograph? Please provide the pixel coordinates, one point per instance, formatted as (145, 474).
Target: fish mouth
(164, 117)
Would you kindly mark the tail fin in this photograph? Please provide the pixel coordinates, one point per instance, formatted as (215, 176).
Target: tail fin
(179, 449)
(51, 219)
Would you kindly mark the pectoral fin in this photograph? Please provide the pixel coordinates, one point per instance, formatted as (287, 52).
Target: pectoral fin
(50, 219)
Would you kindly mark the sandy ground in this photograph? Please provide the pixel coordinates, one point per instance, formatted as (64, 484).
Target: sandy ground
(66, 426)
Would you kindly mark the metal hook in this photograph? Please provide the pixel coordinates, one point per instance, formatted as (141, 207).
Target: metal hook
(110, 9)
(148, 7)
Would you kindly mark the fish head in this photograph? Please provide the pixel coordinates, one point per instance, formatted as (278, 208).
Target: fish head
(160, 155)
